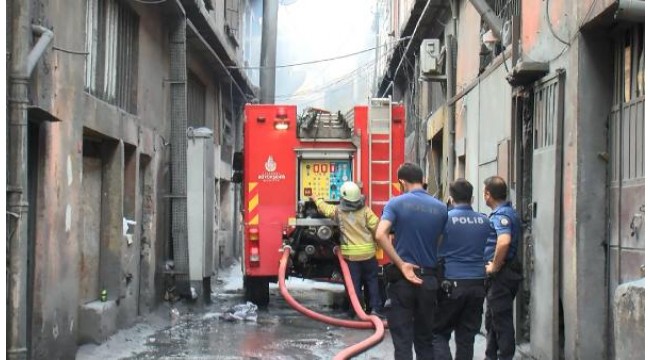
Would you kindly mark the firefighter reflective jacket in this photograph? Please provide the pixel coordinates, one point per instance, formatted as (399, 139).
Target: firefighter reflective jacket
(357, 230)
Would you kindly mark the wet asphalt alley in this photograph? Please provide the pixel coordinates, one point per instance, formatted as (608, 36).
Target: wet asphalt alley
(280, 332)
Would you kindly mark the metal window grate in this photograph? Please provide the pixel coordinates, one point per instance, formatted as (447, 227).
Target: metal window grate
(112, 45)
(505, 9)
(195, 102)
(627, 141)
(546, 111)
(627, 117)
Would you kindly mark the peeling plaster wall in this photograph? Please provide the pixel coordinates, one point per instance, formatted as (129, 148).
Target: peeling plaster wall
(483, 114)
(486, 111)
(224, 240)
(583, 268)
(584, 182)
(58, 87)
(468, 45)
(539, 45)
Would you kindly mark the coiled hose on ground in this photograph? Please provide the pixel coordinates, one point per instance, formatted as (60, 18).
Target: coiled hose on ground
(368, 321)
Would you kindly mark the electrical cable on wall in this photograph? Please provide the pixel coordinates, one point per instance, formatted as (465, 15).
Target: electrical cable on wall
(550, 26)
(572, 39)
(73, 52)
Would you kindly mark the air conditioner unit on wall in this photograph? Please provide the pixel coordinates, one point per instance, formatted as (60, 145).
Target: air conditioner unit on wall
(429, 57)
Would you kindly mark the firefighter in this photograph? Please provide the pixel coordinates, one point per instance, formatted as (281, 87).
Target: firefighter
(418, 220)
(460, 299)
(502, 269)
(358, 224)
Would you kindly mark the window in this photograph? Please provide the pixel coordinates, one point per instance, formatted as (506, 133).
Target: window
(231, 19)
(629, 63)
(195, 101)
(627, 126)
(112, 45)
(227, 124)
(490, 46)
(548, 104)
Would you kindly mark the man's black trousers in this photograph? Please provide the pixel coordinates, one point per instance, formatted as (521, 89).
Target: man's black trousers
(460, 312)
(410, 309)
(501, 291)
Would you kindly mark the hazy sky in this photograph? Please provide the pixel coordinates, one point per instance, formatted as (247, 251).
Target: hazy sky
(318, 29)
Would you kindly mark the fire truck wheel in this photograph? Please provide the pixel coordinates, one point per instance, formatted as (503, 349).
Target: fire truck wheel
(256, 290)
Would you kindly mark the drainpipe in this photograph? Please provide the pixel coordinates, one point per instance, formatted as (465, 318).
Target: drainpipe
(178, 99)
(22, 63)
(487, 14)
(450, 65)
(17, 206)
(46, 36)
(269, 45)
(630, 10)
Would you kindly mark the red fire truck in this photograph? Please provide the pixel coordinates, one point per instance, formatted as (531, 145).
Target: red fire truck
(288, 158)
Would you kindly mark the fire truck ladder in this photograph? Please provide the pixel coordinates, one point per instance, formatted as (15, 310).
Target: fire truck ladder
(379, 133)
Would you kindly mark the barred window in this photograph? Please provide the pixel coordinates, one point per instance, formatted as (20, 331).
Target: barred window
(112, 45)
(629, 65)
(627, 118)
(227, 125)
(505, 10)
(195, 101)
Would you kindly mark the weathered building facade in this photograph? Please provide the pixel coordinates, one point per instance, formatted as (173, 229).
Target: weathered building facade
(103, 184)
(559, 114)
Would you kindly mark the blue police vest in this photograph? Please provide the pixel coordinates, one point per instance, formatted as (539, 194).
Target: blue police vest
(464, 243)
(504, 220)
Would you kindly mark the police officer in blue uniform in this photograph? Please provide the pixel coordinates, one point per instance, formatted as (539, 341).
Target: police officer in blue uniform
(460, 299)
(502, 269)
(418, 220)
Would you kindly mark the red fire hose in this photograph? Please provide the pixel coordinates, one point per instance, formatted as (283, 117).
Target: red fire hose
(368, 323)
(378, 336)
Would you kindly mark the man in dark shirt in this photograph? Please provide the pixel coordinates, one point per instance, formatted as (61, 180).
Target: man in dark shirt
(418, 220)
(460, 301)
(502, 269)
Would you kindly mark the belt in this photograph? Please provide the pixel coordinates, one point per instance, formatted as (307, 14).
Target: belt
(466, 282)
(425, 271)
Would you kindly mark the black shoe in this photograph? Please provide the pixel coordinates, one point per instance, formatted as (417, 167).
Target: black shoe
(379, 314)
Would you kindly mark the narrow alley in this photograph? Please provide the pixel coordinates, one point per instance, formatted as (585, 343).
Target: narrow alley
(473, 170)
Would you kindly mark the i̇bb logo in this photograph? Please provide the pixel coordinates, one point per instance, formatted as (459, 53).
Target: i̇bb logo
(270, 164)
(270, 175)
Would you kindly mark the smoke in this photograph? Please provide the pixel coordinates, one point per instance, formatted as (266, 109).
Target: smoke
(310, 30)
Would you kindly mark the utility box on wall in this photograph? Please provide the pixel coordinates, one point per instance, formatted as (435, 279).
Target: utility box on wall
(200, 202)
(429, 57)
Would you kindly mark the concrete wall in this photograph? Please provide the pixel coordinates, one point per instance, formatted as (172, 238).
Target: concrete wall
(595, 74)
(629, 320)
(539, 45)
(468, 45)
(224, 192)
(100, 166)
(483, 120)
(61, 241)
(487, 120)
(583, 270)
